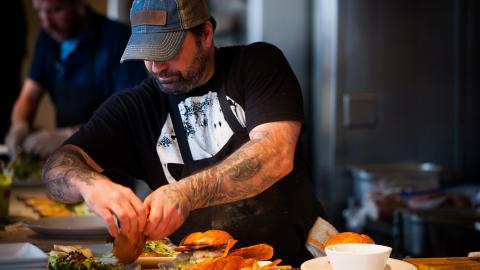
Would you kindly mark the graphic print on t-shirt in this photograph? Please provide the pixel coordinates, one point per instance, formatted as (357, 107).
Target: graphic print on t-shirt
(206, 129)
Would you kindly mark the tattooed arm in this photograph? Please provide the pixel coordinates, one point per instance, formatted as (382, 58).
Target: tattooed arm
(71, 175)
(61, 167)
(250, 170)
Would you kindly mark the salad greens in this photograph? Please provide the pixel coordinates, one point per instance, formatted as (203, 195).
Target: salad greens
(76, 260)
(161, 247)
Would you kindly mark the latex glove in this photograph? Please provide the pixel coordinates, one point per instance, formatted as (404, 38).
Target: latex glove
(168, 210)
(15, 136)
(44, 142)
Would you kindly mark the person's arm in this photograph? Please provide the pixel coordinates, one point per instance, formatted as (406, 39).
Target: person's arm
(250, 170)
(42, 142)
(27, 102)
(22, 114)
(254, 167)
(70, 175)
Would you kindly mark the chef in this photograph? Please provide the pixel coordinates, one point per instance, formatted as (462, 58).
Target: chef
(214, 132)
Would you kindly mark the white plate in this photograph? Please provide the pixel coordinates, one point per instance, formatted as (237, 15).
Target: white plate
(20, 254)
(322, 263)
(85, 226)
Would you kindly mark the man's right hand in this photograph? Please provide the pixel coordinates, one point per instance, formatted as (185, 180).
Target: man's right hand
(70, 175)
(108, 199)
(17, 133)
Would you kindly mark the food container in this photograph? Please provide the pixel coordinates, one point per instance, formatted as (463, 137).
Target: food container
(439, 232)
(393, 178)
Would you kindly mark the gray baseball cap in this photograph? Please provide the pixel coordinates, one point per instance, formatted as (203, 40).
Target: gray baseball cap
(158, 27)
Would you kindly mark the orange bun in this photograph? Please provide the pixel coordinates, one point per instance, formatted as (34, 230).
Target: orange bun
(212, 238)
(349, 238)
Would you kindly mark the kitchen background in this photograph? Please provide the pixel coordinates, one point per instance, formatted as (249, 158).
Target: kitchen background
(392, 96)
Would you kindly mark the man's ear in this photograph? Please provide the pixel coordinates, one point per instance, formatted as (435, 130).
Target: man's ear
(207, 37)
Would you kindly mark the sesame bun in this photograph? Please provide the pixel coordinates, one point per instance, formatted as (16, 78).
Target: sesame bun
(349, 238)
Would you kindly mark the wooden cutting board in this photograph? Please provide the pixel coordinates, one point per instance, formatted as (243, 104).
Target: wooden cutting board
(453, 263)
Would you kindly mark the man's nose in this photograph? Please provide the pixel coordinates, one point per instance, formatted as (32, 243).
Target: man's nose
(45, 20)
(158, 67)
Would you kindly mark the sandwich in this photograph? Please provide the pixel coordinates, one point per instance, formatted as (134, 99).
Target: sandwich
(349, 238)
(199, 246)
(211, 250)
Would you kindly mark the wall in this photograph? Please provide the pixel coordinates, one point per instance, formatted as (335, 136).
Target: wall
(409, 65)
(286, 24)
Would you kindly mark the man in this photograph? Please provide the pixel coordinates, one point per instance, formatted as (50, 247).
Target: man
(213, 132)
(77, 61)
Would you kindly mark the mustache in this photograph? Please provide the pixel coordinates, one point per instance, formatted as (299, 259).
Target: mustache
(167, 73)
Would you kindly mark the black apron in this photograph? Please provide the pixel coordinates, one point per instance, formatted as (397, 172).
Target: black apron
(265, 218)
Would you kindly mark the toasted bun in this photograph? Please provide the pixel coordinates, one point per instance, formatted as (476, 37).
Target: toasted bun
(349, 238)
(213, 238)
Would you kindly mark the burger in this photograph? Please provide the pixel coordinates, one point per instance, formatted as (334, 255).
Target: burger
(349, 238)
(199, 246)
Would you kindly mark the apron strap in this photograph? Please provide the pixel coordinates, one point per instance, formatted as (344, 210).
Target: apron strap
(179, 130)
(227, 112)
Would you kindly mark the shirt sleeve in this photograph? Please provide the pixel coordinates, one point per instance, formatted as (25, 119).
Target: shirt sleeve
(38, 68)
(271, 89)
(107, 138)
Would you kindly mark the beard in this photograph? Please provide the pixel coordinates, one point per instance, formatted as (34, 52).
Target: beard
(183, 82)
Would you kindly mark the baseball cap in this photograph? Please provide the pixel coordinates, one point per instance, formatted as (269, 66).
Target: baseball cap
(158, 27)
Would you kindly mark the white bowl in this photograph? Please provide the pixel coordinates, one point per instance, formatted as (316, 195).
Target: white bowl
(358, 256)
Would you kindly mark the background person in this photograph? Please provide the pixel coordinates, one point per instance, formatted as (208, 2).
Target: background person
(76, 61)
(213, 132)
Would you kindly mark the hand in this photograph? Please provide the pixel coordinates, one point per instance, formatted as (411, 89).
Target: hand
(169, 208)
(106, 199)
(44, 142)
(15, 136)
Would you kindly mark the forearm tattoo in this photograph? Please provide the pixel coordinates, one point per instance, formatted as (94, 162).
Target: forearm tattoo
(240, 176)
(58, 171)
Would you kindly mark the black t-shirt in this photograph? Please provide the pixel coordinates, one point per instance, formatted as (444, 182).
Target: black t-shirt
(132, 134)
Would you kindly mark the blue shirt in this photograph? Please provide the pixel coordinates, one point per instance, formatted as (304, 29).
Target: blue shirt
(90, 73)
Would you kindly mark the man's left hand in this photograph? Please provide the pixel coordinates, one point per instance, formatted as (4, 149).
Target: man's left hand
(168, 209)
(44, 142)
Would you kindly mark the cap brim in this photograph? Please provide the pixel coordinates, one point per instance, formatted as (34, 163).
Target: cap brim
(153, 46)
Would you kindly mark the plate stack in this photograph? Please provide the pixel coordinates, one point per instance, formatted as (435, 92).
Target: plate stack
(23, 256)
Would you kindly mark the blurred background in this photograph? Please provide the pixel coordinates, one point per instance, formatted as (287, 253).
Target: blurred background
(392, 97)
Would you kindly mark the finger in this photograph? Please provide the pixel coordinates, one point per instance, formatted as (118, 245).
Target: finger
(163, 228)
(140, 214)
(41, 149)
(28, 144)
(120, 211)
(173, 225)
(154, 218)
(110, 222)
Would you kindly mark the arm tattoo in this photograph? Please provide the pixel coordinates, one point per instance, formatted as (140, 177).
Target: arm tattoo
(240, 176)
(58, 171)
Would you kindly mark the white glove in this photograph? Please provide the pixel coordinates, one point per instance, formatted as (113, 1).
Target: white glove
(44, 142)
(15, 136)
